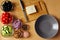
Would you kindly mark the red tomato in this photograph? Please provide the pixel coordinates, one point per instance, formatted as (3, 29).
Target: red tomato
(7, 15)
(10, 19)
(3, 19)
(3, 22)
(6, 18)
(6, 21)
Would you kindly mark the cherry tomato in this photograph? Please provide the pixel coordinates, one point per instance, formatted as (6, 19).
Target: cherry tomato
(6, 18)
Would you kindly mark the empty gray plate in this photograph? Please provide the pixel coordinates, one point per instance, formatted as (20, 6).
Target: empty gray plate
(46, 26)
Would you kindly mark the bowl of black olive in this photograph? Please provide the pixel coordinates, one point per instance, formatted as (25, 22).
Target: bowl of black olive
(7, 5)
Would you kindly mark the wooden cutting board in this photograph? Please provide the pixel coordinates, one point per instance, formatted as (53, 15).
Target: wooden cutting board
(40, 7)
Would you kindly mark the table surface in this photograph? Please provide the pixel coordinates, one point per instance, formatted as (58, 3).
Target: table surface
(53, 7)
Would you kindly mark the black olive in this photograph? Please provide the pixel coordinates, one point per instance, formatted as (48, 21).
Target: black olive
(7, 6)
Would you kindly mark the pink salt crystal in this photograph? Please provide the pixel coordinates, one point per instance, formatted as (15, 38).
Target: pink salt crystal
(26, 34)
